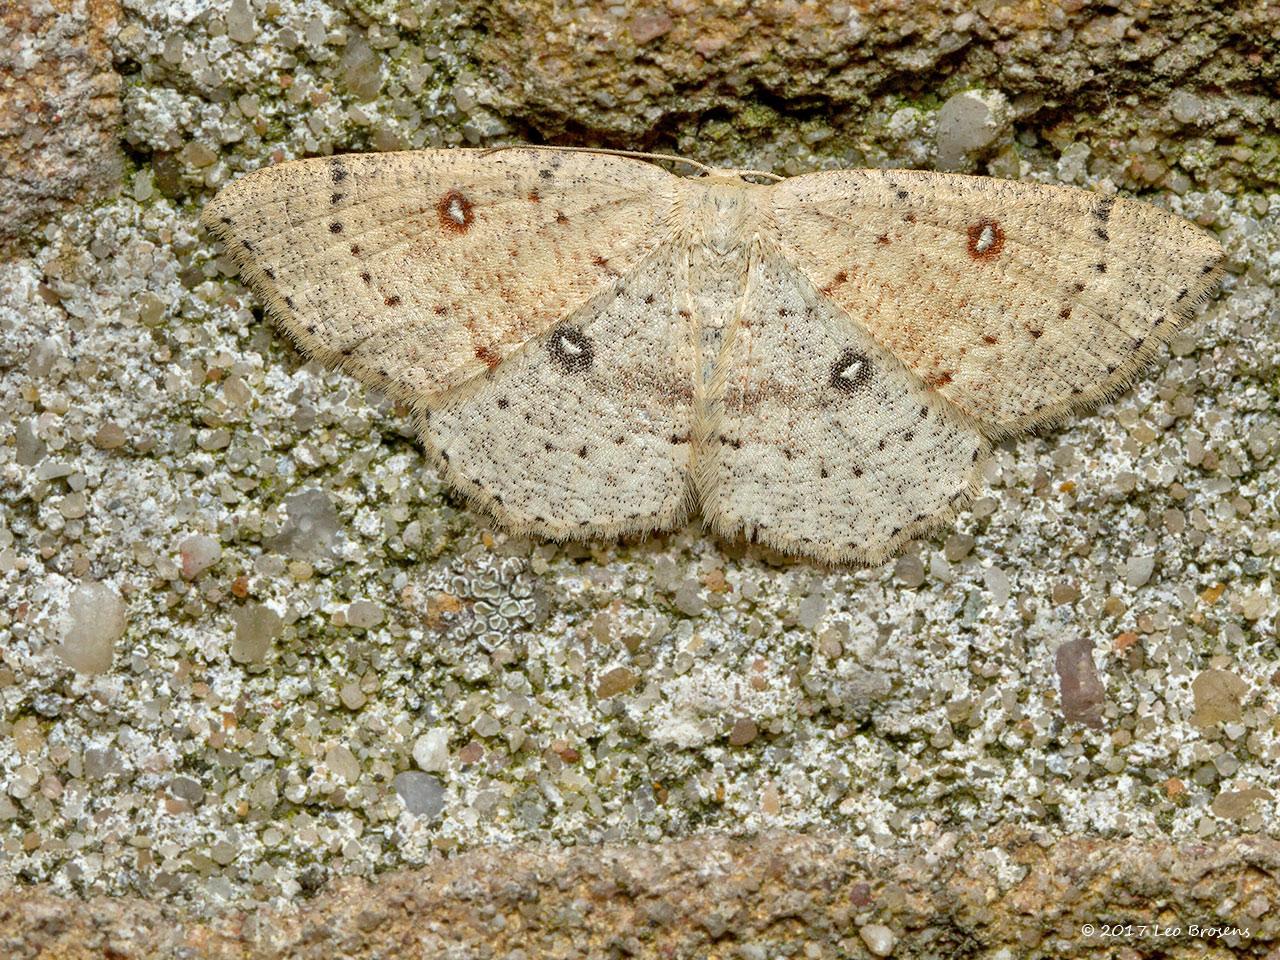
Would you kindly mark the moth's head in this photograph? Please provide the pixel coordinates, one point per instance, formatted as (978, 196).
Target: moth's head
(739, 178)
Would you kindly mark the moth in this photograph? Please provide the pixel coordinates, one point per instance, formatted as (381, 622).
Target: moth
(592, 346)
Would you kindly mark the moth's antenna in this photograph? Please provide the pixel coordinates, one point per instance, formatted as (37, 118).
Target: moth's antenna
(755, 173)
(639, 155)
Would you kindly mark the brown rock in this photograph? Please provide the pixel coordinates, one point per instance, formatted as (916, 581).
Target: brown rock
(1080, 686)
(647, 26)
(59, 116)
(1237, 804)
(743, 732)
(960, 901)
(615, 681)
(110, 436)
(1218, 694)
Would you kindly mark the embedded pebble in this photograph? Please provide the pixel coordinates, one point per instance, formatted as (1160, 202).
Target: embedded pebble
(110, 436)
(880, 940)
(97, 618)
(958, 546)
(1081, 689)
(615, 681)
(185, 788)
(313, 528)
(431, 750)
(352, 696)
(240, 24)
(199, 553)
(1138, 569)
(364, 614)
(1237, 804)
(342, 762)
(1186, 106)
(968, 122)
(423, 794)
(743, 732)
(1218, 696)
(909, 570)
(29, 449)
(256, 627)
(646, 27)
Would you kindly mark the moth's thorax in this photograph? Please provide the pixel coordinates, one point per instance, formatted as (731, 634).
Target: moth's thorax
(720, 212)
(720, 218)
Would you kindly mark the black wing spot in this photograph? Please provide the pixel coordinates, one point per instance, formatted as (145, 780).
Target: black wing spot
(1101, 234)
(572, 351)
(335, 227)
(339, 172)
(1103, 210)
(851, 371)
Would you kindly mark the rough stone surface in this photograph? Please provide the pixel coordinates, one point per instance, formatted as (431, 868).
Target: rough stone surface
(243, 748)
(59, 109)
(1008, 895)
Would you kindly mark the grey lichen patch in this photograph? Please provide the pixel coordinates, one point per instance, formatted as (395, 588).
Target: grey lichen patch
(308, 617)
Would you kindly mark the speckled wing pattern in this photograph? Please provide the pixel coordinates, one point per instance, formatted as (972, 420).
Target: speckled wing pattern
(592, 346)
(589, 427)
(418, 271)
(1016, 302)
(825, 443)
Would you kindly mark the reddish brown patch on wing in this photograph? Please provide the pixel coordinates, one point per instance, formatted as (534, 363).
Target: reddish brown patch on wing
(836, 281)
(910, 218)
(1064, 313)
(986, 239)
(883, 240)
(936, 380)
(988, 339)
(487, 357)
(560, 217)
(533, 197)
(455, 212)
(599, 261)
